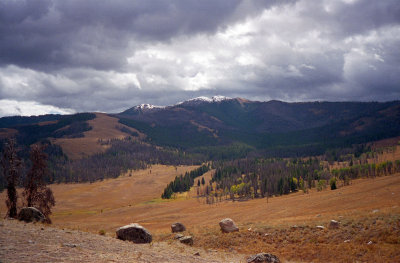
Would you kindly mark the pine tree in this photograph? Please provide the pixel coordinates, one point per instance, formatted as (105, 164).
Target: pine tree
(10, 164)
(36, 193)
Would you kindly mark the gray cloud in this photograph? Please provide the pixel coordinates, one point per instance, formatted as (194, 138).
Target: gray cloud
(110, 55)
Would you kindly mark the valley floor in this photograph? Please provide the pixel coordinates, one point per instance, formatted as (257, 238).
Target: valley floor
(368, 211)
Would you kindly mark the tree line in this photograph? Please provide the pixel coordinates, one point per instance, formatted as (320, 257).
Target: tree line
(182, 183)
(258, 178)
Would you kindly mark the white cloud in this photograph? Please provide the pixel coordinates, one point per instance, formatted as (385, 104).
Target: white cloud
(29, 108)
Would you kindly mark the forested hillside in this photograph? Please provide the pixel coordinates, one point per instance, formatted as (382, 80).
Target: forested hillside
(274, 128)
(197, 131)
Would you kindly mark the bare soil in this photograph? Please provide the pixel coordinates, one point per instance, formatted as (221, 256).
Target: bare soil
(21, 242)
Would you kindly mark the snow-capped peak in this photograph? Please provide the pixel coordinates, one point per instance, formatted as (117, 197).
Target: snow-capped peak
(205, 99)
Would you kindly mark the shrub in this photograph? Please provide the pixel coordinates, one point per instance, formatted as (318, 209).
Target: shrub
(321, 185)
(332, 183)
(102, 232)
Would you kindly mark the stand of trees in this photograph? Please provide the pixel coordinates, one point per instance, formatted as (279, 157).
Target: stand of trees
(254, 178)
(366, 170)
(35, 193)
(123, 155)
(183, 183)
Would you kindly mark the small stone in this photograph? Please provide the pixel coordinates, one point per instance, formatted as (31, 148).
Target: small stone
(249, 229)
(177, 227)
(347, 241)
(375, 211)
(320, 227)
(319, 215)
(188, 240)
(196, 254)
(266, 234)
(69, 245)
(263, 257)
(334, 224)
(369, 243)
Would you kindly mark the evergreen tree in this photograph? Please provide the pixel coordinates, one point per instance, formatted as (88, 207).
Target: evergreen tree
(11, 164)
(36, 193)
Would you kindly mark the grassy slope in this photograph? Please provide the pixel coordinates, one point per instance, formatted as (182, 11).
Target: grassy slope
(103, 127)
(135, 199)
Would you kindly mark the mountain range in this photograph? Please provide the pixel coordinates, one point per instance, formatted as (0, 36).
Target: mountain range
(219, 125)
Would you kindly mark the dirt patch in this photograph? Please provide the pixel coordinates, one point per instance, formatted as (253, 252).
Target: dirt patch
(22, 243)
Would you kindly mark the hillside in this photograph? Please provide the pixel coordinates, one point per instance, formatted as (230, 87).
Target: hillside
(103, 128)
(275, 128)
(368, 210)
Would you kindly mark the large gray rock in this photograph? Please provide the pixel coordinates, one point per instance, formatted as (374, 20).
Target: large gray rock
(177, 227)
(31, 214)
(263, 257)
(227, 225)
(135, 233)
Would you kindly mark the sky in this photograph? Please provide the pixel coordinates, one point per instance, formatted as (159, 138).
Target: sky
(66, 56)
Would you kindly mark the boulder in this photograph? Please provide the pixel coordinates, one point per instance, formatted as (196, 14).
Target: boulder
(186, 240)
(31, 214)
(333, 224)
(227, 225)
(263, 257)
(178, 227)
(135, 233)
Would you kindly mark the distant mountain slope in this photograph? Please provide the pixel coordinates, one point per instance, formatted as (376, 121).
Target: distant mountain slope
(200, 123)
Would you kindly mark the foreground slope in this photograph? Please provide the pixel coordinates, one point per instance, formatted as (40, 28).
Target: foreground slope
(28, 243)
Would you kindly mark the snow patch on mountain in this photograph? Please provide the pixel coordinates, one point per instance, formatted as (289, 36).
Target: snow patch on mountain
(148, 107)
(205, 99)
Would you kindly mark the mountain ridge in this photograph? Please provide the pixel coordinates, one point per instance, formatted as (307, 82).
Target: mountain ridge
(203, 125)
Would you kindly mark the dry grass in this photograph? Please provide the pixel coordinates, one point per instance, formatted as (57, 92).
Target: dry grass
(103, 127)
(111, 203)
(368, 210)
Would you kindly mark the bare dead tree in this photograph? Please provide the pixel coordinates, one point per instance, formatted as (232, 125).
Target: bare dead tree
(11, 172)
(36, 193)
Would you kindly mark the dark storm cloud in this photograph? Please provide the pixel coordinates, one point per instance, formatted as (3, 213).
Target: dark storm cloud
(121, 53)
(47, 34)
